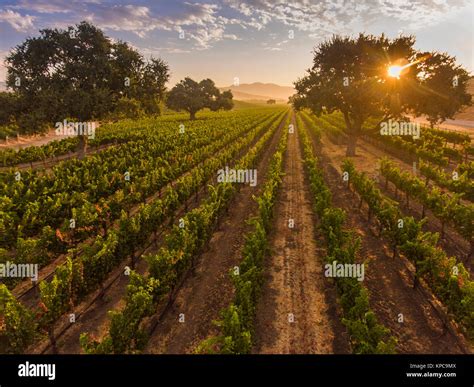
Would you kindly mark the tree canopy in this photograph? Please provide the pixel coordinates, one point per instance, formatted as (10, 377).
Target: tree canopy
(351, 75)
(192, 96)
(79, 72)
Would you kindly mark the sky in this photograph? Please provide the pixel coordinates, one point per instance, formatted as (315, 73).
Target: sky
(268, 41)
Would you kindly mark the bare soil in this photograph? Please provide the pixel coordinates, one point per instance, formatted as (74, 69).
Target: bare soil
(297, 311)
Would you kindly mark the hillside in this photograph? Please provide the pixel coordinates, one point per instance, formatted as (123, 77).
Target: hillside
(260, 91)
(241, 96)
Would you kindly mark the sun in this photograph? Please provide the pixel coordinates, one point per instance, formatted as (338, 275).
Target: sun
(395, 71)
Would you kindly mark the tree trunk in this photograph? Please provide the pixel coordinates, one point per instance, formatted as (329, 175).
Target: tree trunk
(192, 115)
(351, 145)
(82, 146)
(352, 130)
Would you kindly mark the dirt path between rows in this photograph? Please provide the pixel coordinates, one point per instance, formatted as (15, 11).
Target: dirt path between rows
(208, 287)
(296, 312)
(389, 280)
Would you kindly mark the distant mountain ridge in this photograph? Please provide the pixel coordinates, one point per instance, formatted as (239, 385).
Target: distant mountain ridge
(260, 91)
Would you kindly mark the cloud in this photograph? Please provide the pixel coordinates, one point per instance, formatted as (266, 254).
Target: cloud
(156, 51)
(3, 69)
(419, 12)
(207, 22)
(51, 6)
(273, 49)
(341, 16)
(200, 22)
(21, 23)
(136, 19)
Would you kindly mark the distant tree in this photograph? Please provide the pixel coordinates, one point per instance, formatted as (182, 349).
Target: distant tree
(351, 75)
(271, 102)
(223, 101)
(186, 95)
(192, 96)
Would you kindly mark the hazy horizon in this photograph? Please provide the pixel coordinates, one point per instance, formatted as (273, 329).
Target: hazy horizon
(255, 41)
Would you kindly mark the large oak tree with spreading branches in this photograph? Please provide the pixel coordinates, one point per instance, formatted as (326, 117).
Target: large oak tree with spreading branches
(350, 75)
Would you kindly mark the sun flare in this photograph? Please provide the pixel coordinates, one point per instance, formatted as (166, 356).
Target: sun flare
(395, 71)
